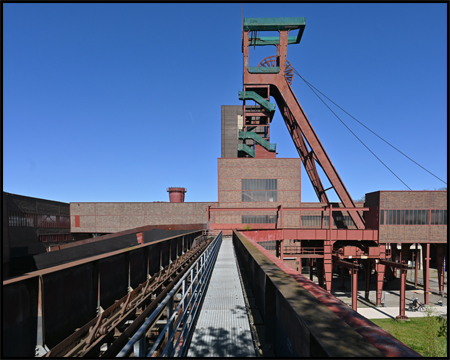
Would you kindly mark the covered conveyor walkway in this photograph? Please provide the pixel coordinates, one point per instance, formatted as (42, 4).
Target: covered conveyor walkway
(222, 327)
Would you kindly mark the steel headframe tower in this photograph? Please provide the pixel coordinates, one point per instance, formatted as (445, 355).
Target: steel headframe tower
(272, 77)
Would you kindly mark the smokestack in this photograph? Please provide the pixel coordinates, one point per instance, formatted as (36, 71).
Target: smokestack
(176, 194)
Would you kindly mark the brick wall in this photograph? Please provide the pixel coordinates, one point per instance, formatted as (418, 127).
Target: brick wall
(405, 200)
(230, 175)
(24, 240)
(113, 217)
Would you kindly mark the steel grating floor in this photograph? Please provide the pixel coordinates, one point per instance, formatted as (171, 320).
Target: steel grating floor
(222, 327)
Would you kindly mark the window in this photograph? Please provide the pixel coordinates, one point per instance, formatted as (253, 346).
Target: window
(312, 221)
(438, 217)
(259, 219)
(259, 190)
(413, 217)
(21, 219)
(268, 245)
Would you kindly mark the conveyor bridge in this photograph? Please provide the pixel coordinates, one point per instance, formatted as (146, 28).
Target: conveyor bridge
(183, 296)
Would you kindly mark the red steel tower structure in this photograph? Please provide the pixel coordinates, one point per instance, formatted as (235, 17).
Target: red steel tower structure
(272, 77)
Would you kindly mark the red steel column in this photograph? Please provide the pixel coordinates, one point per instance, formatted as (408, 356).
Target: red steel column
(380, 281)
(426, 271)
(354, 287)
(366, 278)
(319, 270)
(440, 251)
(342, 278)
(403, 271)
(394, 256)
(416, 265)
(380, 268)
(281, 250)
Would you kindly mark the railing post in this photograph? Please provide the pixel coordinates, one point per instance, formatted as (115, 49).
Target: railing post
(170, 328)
(139, 347)
(41, 349)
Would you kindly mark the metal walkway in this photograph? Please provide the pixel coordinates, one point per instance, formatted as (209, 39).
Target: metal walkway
(222, 327)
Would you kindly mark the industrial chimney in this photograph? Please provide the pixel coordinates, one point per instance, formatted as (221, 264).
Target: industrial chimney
(176, 194)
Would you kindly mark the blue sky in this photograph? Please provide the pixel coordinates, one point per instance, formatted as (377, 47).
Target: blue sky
(117, 102)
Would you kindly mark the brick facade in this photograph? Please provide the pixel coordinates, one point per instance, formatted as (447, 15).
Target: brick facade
(112, 217)
(230, 175)
(410, 200)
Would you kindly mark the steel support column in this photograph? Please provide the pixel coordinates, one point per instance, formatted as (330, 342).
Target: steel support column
(394, 256)
(440, 251)
(311, 265)
(416, 265)
(426, 271)
(403, 271)
(367, 266)
(354, 288)
(343, 269)
(380, 281)
(353, 267)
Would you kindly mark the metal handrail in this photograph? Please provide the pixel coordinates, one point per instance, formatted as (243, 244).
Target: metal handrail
(194, 292)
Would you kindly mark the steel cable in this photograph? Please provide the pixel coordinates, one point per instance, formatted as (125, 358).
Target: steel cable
(314, 89)
(362, 142)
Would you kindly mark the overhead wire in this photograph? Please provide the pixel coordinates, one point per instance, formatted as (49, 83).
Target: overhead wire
(362, 142)
(314, 89)
(373, 132)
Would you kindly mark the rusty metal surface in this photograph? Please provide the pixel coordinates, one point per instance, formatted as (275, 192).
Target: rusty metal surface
(73, 291)
(379, 338)
(298, 124)
(303, 326)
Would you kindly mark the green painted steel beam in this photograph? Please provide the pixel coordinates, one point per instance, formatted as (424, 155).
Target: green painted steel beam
(276, 24)
(247, 149)
(271, 40)
(264, 69)
(257, 138)
(251, 95)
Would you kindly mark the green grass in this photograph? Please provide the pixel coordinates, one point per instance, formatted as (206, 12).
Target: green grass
(420, 334)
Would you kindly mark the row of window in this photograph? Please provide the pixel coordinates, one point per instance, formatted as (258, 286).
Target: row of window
(17, 218)
(413, 217)
(56, 237)
(268, 245)
(259, 190)
(308, 221)
(316, 221)
(258, 196)
(259, 219)
(259, 184)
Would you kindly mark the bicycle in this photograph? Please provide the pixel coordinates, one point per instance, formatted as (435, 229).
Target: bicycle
(416, 305)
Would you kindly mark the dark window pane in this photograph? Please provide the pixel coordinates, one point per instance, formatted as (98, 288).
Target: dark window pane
(382, 217)
(402, 217)
(445, 217)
